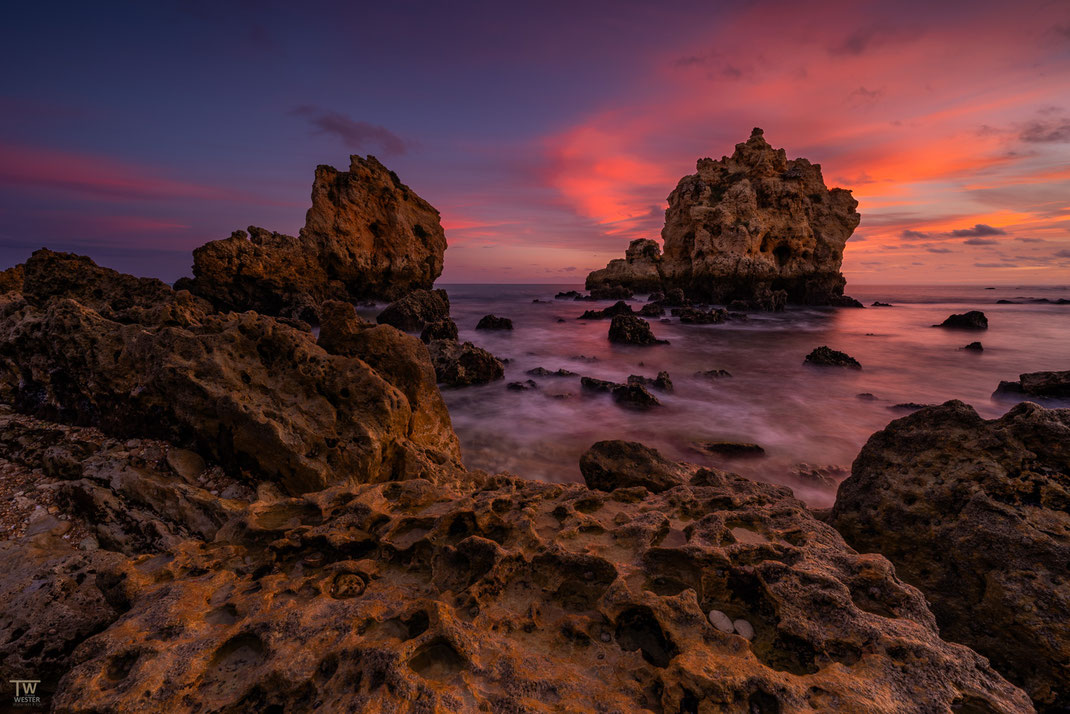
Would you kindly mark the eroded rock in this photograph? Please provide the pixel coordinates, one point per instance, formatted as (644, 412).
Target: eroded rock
(976, 513)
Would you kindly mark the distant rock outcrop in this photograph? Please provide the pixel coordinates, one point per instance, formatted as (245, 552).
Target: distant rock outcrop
(366, 236)
(753, 227)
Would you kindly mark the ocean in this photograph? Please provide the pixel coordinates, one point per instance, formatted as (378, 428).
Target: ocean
(810, 421)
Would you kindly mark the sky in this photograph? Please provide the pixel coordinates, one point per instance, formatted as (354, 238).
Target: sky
(548, 134)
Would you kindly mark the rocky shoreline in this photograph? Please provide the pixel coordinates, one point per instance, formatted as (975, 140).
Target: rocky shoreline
(226, 510)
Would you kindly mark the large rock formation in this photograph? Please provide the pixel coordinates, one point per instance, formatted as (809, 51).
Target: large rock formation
(249, 390)
(977, 514)
(747, 227)
(366, 236)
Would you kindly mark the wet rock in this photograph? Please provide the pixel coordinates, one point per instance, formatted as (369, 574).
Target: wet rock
(733, 448)
(652, 309)
(878, 303)
(634, 396)
(713, 374)
(694, 316)
(493, 322)
(974, 347)
(867, 397)
(441, 330)
(618, 308)
(568, 295)
(525, 386)
(416, 310)
(590, 384)
(975, 513)
(543, 372)
(825, 357)
(610, 292)
(462, 365)
(1041, 385)
(609, 465)
(909, 406)
(662, 382)
(631, 330)
(972, 320)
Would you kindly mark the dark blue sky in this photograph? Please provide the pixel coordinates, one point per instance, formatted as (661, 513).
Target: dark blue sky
(548, 134)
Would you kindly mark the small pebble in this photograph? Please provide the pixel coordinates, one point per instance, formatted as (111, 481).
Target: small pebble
(605, 637)
(744, 629)
(722, 621)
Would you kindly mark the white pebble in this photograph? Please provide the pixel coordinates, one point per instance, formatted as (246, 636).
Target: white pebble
(744, 629)
(721, 621)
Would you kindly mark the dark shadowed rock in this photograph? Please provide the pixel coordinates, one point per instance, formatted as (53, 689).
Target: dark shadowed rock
(972, 320)
(590, 384)
(662, 382)
(441, 330)
(493, 322)
(713, 374)
(825, 357)
(568, 295)
(652, 309)
(878, 303)
(634, 396)
(618, 308)
(974, 347)
(733, 448)
(416, 310)
(631, 330)
(611, 292)
(609, 465)
(977, 514)
(462, 365)
(695, 316)
(526, 386)
(1043, 385)
(543, 372)
(11, 279)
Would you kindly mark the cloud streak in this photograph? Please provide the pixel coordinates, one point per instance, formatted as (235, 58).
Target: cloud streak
(355, 135)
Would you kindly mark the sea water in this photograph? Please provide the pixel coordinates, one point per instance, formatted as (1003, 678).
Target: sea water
(799, 414)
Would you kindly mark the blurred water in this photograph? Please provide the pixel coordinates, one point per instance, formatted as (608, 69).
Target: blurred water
(799, 414)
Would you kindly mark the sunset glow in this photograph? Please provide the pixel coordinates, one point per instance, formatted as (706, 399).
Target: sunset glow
(546, 140)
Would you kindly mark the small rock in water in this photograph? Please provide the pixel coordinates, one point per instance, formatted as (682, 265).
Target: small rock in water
(826, 357)
(524, 386)
(543, 372)
(713, 373)
(634, 396)
(866, 396)
(733, 448)
(722, 621)
(972, 320)
(743, 629)
(878, 303)
(591, 384)
(974, 347)
(632, 330)
(493, 322)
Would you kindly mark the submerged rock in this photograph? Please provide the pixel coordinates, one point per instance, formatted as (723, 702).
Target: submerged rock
(590, 384)
(416, 310)
(634, 396)
(733, 448)
(493, 322)
(543, 372)
(618, 308)
(972, 320)
(826, 357)
(976, 513)
(713, 374)
(1043, 385)
(754, 227)
(662, 382)
(526, 386)
(631, 330)
(694, 316)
